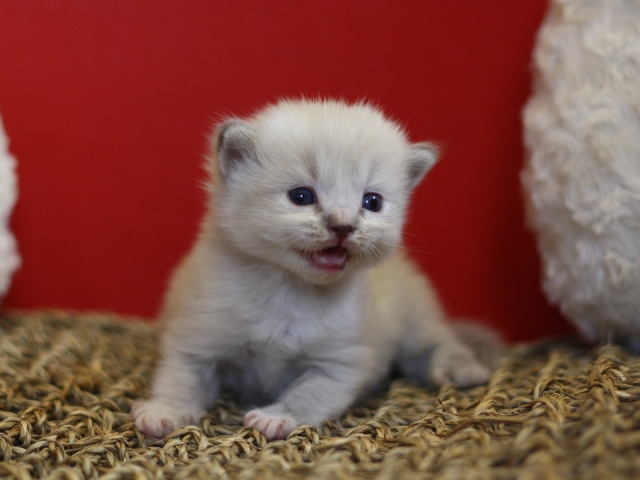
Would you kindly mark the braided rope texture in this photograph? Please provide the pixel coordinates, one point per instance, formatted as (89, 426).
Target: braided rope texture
(551, 411)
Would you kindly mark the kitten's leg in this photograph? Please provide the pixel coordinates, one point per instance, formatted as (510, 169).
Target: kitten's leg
(429, 350)
(443, 361)
(433, 355)
(182, 391)
(486, 343)
(323, 392)
(452, 361)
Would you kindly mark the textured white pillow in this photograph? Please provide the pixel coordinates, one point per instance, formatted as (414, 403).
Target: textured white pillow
(582, 177)
(9, 259)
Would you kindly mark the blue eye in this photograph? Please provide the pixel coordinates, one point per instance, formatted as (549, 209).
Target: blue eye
(372, 202)
(302, 196)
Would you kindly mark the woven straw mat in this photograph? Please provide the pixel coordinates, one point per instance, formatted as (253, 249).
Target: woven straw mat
(555, 410)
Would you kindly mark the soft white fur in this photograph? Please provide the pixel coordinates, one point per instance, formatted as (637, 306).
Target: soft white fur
(247, 311)
(582, 178)
(9, 259)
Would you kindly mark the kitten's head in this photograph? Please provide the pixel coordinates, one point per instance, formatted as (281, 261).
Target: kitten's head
(317, 188)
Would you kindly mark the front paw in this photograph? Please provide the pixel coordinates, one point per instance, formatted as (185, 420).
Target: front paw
(272, 426)
(157, 419)
(458, 365)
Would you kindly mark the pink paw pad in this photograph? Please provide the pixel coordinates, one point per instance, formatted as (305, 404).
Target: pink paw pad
(272, 426)
(157, 420)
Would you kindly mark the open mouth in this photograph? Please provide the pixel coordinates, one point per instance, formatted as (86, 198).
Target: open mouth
(331, 259)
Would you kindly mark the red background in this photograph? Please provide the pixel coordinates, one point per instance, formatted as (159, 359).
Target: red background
(107, 105)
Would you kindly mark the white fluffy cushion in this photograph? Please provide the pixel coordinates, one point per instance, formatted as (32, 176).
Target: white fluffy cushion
(9, 259)
(582, 177)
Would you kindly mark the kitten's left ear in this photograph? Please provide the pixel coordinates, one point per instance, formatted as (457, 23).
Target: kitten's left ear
(422, 156)
(234, 145)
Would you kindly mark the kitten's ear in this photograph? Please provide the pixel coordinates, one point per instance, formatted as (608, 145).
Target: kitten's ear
(234, 145)
(422, 157)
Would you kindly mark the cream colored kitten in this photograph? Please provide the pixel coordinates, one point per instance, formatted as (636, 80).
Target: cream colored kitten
(294, 295)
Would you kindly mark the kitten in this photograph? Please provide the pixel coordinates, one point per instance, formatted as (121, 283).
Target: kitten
(295, 295)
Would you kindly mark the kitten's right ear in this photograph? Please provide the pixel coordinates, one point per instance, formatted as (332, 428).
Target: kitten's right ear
(234, 145)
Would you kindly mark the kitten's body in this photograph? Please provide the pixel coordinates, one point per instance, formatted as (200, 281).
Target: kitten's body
(302, 307)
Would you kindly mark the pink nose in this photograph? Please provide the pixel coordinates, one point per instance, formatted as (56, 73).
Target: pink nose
(342, 231)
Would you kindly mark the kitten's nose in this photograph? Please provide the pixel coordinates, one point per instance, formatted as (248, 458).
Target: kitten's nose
(342, 231)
